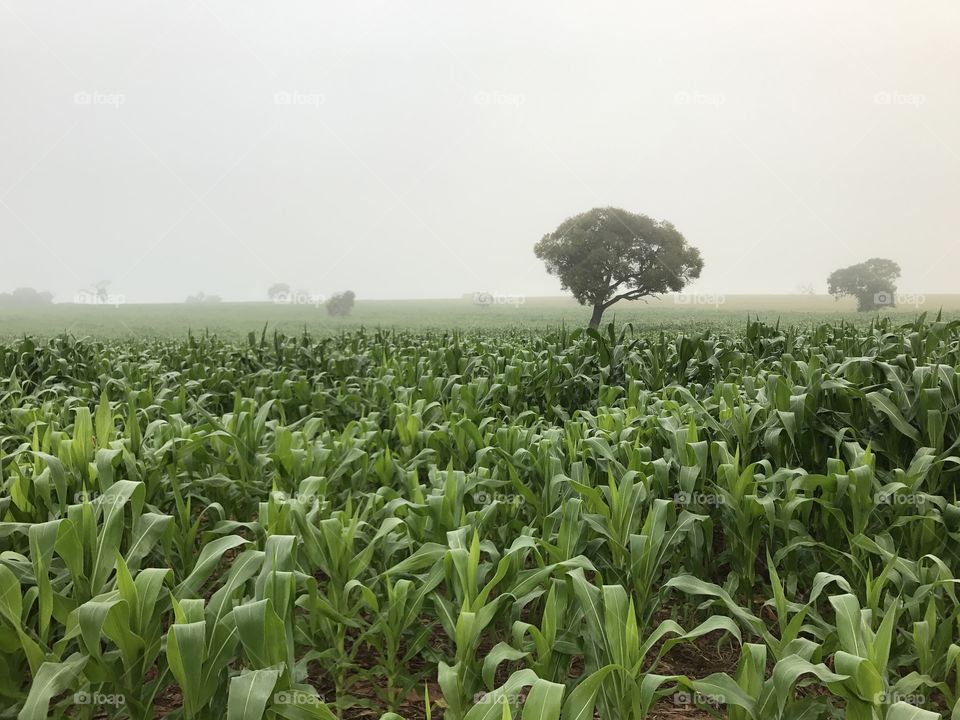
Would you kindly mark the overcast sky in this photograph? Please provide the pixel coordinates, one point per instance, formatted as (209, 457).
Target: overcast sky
(419, 149)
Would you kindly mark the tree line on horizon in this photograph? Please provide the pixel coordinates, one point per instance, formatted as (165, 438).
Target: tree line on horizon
(601, 257)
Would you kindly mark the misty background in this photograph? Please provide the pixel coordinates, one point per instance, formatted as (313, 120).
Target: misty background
(420, 149)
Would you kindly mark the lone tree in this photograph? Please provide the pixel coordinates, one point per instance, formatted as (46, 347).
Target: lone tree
(278, 291)
(873, 283)
(607, 254)
(340, 304)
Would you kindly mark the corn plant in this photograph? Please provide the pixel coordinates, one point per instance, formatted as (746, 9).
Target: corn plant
(499, 524)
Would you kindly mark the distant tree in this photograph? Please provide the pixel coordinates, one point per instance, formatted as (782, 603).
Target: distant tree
(26, 296)
(203, 298)
(278, 290)
(340, 304)
(607, 254)
(873, 283)
(96, 294)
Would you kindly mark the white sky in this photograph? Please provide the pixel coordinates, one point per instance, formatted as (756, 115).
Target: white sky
(422, 148)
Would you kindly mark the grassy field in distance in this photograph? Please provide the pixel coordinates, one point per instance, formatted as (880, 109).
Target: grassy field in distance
(672, 313)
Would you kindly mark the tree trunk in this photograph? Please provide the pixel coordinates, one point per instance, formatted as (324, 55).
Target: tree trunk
(597, 314)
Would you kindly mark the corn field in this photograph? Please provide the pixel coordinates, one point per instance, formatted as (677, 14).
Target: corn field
(760, 524)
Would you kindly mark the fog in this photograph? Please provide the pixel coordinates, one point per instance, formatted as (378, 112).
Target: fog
(420, 149)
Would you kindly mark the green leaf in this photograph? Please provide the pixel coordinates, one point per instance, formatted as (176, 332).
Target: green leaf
(249, 694)
(583, 698)
(543, 701)
(882, 403)
(52, 679)
(185, 655)
(905, 711)
(849, 626)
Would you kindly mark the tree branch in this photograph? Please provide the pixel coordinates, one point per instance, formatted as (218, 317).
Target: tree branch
(635, 294)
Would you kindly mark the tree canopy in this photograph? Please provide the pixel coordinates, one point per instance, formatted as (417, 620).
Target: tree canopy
(607, 254)
(26, 296)
(873, 283)
(340, 304)
(278, 291)
(202, 297)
